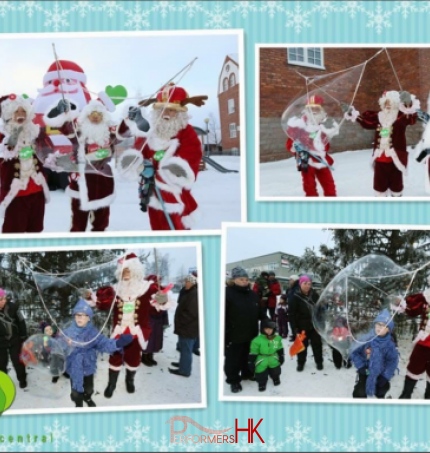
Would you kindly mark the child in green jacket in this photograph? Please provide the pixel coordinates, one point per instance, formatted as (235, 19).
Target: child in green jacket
(266, 355)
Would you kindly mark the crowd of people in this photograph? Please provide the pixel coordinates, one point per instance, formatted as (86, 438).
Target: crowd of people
(139, 308)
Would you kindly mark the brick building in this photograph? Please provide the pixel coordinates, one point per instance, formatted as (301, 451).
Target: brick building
(229, 107)
(280, 85)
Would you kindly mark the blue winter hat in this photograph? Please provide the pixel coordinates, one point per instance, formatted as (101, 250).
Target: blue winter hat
(386, 318)
(238, 272)
(83, 307)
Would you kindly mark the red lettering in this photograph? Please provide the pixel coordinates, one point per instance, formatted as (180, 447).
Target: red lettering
(251, 430)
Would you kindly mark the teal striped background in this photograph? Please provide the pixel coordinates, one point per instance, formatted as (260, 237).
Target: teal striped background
(286, 427)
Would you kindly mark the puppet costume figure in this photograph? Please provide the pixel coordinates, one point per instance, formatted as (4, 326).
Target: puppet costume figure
(390, 157)
(416, 305)
(309, 141)
(91, 187)
(132, 297)
(173, 149)
(23, 191)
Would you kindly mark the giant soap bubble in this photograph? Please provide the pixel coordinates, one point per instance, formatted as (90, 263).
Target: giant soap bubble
(44, 353)
(345, 312)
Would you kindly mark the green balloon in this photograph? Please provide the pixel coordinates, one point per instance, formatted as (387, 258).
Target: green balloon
(25, 96)
(7, 392)
(117, 93)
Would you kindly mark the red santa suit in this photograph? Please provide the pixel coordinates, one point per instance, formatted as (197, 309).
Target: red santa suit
(92, 188)
(131, 312)
(183, 149)
(389, 152)
(275, 290)
(315, 138)
(23, 188)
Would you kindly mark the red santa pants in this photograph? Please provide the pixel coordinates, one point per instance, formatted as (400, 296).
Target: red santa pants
(25, 214)
(131, 357)
(99, 218)
(324, 177)
(387, 177)
(158, 220)
(419, 361)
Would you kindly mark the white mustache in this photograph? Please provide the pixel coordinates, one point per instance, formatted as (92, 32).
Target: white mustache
(50, 89)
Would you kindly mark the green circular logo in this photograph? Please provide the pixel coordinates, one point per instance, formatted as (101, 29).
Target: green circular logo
(7, 392)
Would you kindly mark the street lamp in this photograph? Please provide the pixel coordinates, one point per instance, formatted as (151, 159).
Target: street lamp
(206, 120)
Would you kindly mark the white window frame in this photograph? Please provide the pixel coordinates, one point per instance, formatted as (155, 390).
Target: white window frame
(305, 61)
(231, 106)
(225, 84)
(233, 130)
(232, 77)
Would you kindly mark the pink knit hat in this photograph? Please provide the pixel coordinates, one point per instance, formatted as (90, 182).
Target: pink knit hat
(2, 292)
(304, 278)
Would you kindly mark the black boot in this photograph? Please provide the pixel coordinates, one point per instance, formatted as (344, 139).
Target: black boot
(89, 401)
(146, 360)
(408, 388)
(113, 378)
(151, 359)
(129, 381)
(427, 392)
(77, 398)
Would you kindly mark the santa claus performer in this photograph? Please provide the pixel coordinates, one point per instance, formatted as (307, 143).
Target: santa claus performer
(23, 191)
(390, 157)
(309, 141)
(132, 297)
(172, 148)
(91, 186)
(416, 305)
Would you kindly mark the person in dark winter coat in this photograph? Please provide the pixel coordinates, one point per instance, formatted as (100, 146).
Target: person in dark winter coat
(266, 355)
(301, 312)
(261, 287)
(293, 286)
(282, 316)
(242, 313)
(274, 291)
(13, 332)
(81, 342)
(186, 326)
(376, 360)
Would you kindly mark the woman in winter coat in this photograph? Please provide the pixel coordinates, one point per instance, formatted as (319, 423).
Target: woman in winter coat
(376, 360)
(242, 313)
(301, 313)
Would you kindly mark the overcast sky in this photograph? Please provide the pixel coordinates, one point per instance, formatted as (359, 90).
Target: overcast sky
(141, 62)
(249, 242)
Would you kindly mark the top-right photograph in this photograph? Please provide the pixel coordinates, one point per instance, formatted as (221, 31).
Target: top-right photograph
(342, 123)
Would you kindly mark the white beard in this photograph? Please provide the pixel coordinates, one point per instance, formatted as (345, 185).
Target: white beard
(47, 99)
(28, 134)
(167, 129)
(315, 119)
(387, 117)
(131, 289)
(95, 133)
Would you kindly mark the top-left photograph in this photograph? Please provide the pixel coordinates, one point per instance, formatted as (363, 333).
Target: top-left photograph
(121, 132)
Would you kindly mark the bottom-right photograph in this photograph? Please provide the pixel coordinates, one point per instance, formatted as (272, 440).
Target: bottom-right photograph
(325, 313)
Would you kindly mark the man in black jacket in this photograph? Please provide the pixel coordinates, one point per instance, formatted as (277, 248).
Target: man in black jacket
(293, 286)
(242, 312)
(186, 326)
(301, 311)
(13, 332)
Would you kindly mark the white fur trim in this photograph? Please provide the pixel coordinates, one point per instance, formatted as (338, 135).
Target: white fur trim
(415, 377)
(393, 96)
(396, 194)
(182, 181)
(40, 180)
(59, 120)
(317, 165)
(380, 194)
(135, 131)
(190, 220)
(158, 307)
(106, 100)
(426, 295)
(295, 121)
(115, 368)
(171, 208)
(352, 115)
(157, 143)
(413, 108)
(422, 335)
(65, 74)
(9, 107)
(132, 172)
(132, 368)
(390, 153)
(134, 330)
(15, 187)
(176, 190)
(332, 131)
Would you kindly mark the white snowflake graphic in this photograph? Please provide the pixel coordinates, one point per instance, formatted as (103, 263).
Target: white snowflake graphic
(191, 8)
(405, 445)
(110, 7)
(58, 433)
(110, 444)
(271, 8)
(5, 7)
(164, 7)
(351, 445)
(272, 445)
(137, 434)
(324, 445)
(298, 435)
(351, 8)
(83, 7)
(325, 8)
(379, 435)
(83, 444)
(30, 7)
(163, 445)
(218, 18)
(244, 8)
(298, 19)
(56, 17)
(405, 8)
(379, 19)
(136, 18)
(243, 445)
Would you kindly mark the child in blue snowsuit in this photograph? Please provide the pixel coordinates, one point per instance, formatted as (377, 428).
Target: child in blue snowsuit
(376, 360)
(82, 341)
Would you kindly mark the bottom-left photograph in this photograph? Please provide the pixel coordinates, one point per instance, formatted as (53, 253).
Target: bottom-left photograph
(86, 329)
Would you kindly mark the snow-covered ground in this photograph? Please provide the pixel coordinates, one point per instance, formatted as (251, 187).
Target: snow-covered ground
(353, 175)
(326, 385)
(156, 388)
(211, 191)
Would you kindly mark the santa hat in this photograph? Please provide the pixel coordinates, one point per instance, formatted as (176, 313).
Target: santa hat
(94, 106)
(314, 101)
(68, 70)
(173, 97)
(131, 262)
(10, 103)
(393, 96)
